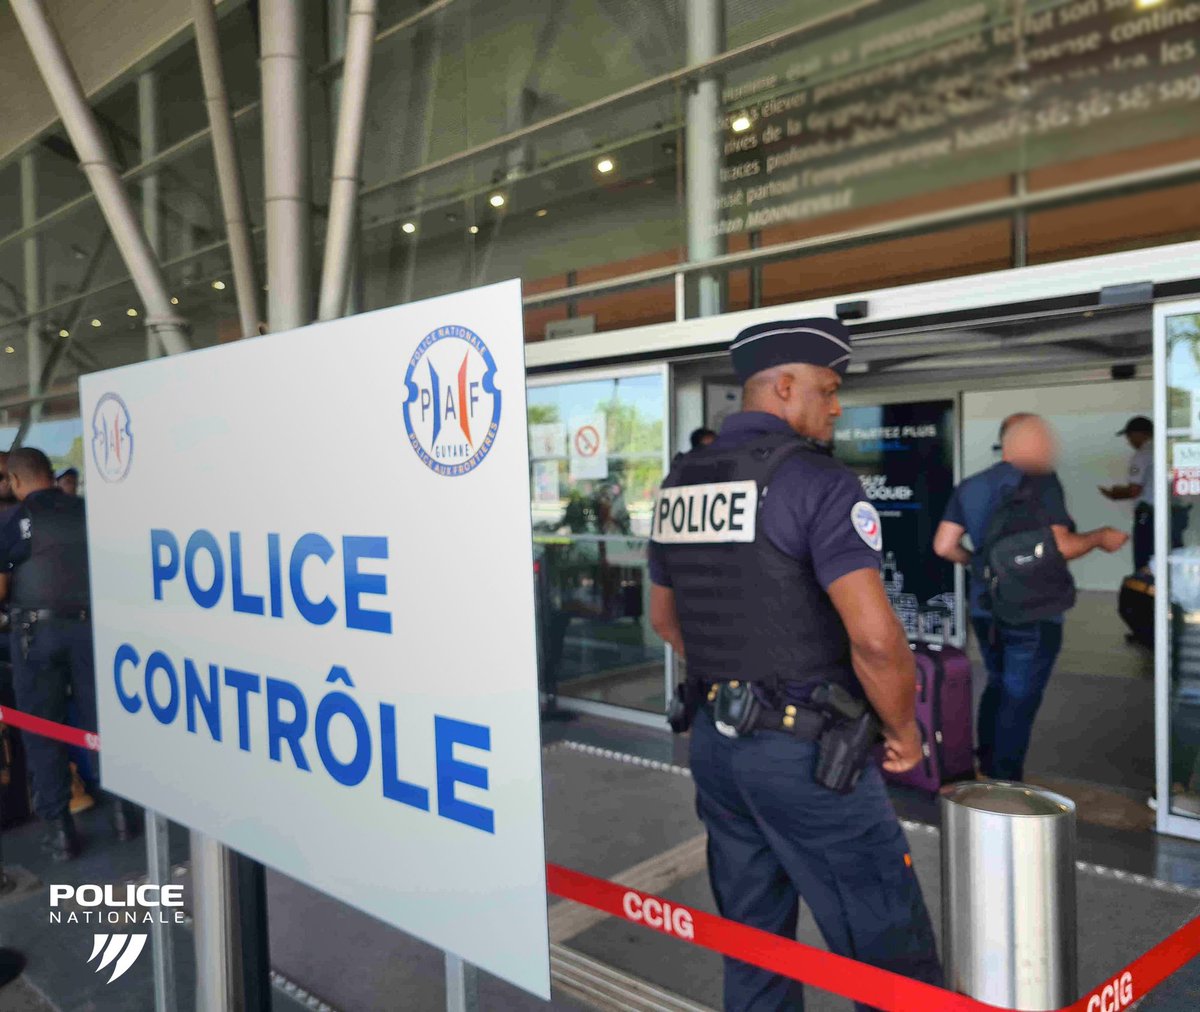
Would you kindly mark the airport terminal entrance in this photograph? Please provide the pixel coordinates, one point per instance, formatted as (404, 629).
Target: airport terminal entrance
(1088, 370)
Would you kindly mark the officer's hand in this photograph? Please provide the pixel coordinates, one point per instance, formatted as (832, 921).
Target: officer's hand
(1112, 540)
(902, 750)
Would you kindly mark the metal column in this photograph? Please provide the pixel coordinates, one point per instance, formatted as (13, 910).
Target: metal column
(462, 985)
(705, 40)
(158, 871)
(347, 159)
(151, 211)
(229, 173)
(213, 903)
(285, 164)
(97, 163)
(33, 280)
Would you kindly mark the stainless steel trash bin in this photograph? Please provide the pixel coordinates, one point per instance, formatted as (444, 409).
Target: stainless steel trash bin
(1008, 895)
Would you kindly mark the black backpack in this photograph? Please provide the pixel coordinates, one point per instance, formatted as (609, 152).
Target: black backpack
(1025, 577)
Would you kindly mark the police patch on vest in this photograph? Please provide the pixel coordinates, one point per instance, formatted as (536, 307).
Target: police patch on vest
(706, 514)
(866, 522)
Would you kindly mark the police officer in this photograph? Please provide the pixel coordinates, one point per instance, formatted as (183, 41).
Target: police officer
(44, 576)
(765, 559)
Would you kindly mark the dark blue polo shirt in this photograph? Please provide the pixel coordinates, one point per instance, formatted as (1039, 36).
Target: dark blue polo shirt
(15, 532)
(808, 513)
(975, 500)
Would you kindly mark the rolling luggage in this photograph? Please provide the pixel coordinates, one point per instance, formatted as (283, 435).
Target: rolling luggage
(944, 714)
(1135, 604)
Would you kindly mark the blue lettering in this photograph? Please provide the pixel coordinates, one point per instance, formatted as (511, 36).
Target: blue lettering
(210, 703)
(316, 612)
(126, 655)
(352, 773)
(161, 569)
(450, 771)
(163, 713)
(357, 584)
(243, 683)
(393, 787)
(203, 541)
(250, 604)
(290, 731)
(275, 576)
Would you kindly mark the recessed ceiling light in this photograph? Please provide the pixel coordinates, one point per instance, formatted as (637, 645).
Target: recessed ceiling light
(605, 165)
(174, 301)
(542, 212)
(740, 124)
(95, 323)
(496, 200)
(9, 349)
(474, 230)
(1148, 3)
(131, 311)
(408, 227)
(64, 332)
(219, 285)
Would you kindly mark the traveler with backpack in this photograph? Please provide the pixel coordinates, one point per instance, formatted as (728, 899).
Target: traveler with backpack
(1022, 539)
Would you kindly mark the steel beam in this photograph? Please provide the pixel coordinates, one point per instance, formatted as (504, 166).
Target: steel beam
(229, 173)
(285, 164)
(705, 40)
(347, 159)
(33, 280)
(97, 162)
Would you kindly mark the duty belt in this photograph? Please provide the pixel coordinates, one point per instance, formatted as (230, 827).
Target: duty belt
(799, 721)
(46, 614)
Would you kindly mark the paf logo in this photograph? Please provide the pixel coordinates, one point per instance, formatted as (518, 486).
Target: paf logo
(452, 410)
(112, 438)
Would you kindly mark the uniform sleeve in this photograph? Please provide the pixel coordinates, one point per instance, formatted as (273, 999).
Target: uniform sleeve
(844, 532)
(1139, 467)
(10, 542)
(657, 565)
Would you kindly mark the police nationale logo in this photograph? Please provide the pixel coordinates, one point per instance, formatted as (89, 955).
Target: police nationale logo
(866, 522)
(112, 438)
(452, 411)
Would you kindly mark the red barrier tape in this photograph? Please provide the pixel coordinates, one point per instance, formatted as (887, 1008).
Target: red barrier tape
(49, 729)
(846, 977)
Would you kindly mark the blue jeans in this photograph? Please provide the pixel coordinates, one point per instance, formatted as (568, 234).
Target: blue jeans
(776, 837)
(1019, 659)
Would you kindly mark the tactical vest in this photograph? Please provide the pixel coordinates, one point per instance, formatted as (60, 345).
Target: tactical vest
(747, 610)
(55, 575)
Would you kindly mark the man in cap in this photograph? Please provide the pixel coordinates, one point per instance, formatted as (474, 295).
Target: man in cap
(1139, 433)
(765, 560)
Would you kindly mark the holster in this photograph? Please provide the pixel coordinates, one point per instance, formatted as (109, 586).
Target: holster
(681, 711)
(846, 745)
(735, 709)
(27, 625)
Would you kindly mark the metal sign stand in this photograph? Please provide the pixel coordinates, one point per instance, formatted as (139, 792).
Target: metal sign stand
(462, 985)
(162, 952)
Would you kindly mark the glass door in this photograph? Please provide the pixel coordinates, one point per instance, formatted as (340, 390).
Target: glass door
(598, 454)
(1177, 539)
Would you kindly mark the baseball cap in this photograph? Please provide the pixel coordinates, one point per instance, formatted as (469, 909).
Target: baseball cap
(1139, 423)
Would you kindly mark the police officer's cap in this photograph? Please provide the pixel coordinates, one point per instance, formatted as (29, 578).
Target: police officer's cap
(820, 341)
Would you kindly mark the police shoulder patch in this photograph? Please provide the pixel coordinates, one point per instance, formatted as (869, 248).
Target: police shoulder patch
(866, 521)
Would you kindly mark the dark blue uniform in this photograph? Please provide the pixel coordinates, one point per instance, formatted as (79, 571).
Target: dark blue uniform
(775, 835)
(51, 636)
(1018, 658)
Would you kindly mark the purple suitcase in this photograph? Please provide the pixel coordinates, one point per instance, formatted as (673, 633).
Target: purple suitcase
(944, 714)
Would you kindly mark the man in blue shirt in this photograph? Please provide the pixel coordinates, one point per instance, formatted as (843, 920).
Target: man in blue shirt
(1018, 658)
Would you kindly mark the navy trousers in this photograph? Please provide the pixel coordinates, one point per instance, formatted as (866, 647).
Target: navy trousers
(1019, 659)
(776, 837)
(59, 658)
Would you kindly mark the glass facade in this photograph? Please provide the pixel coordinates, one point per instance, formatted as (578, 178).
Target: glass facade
(597, 456)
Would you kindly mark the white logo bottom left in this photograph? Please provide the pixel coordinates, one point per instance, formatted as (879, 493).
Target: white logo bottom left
(124, 949)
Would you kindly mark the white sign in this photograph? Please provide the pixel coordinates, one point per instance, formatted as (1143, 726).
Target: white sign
(546, 440)
(545, 482)
(588, 448)
(1185, 455)
(718, 513)
(340, 683)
